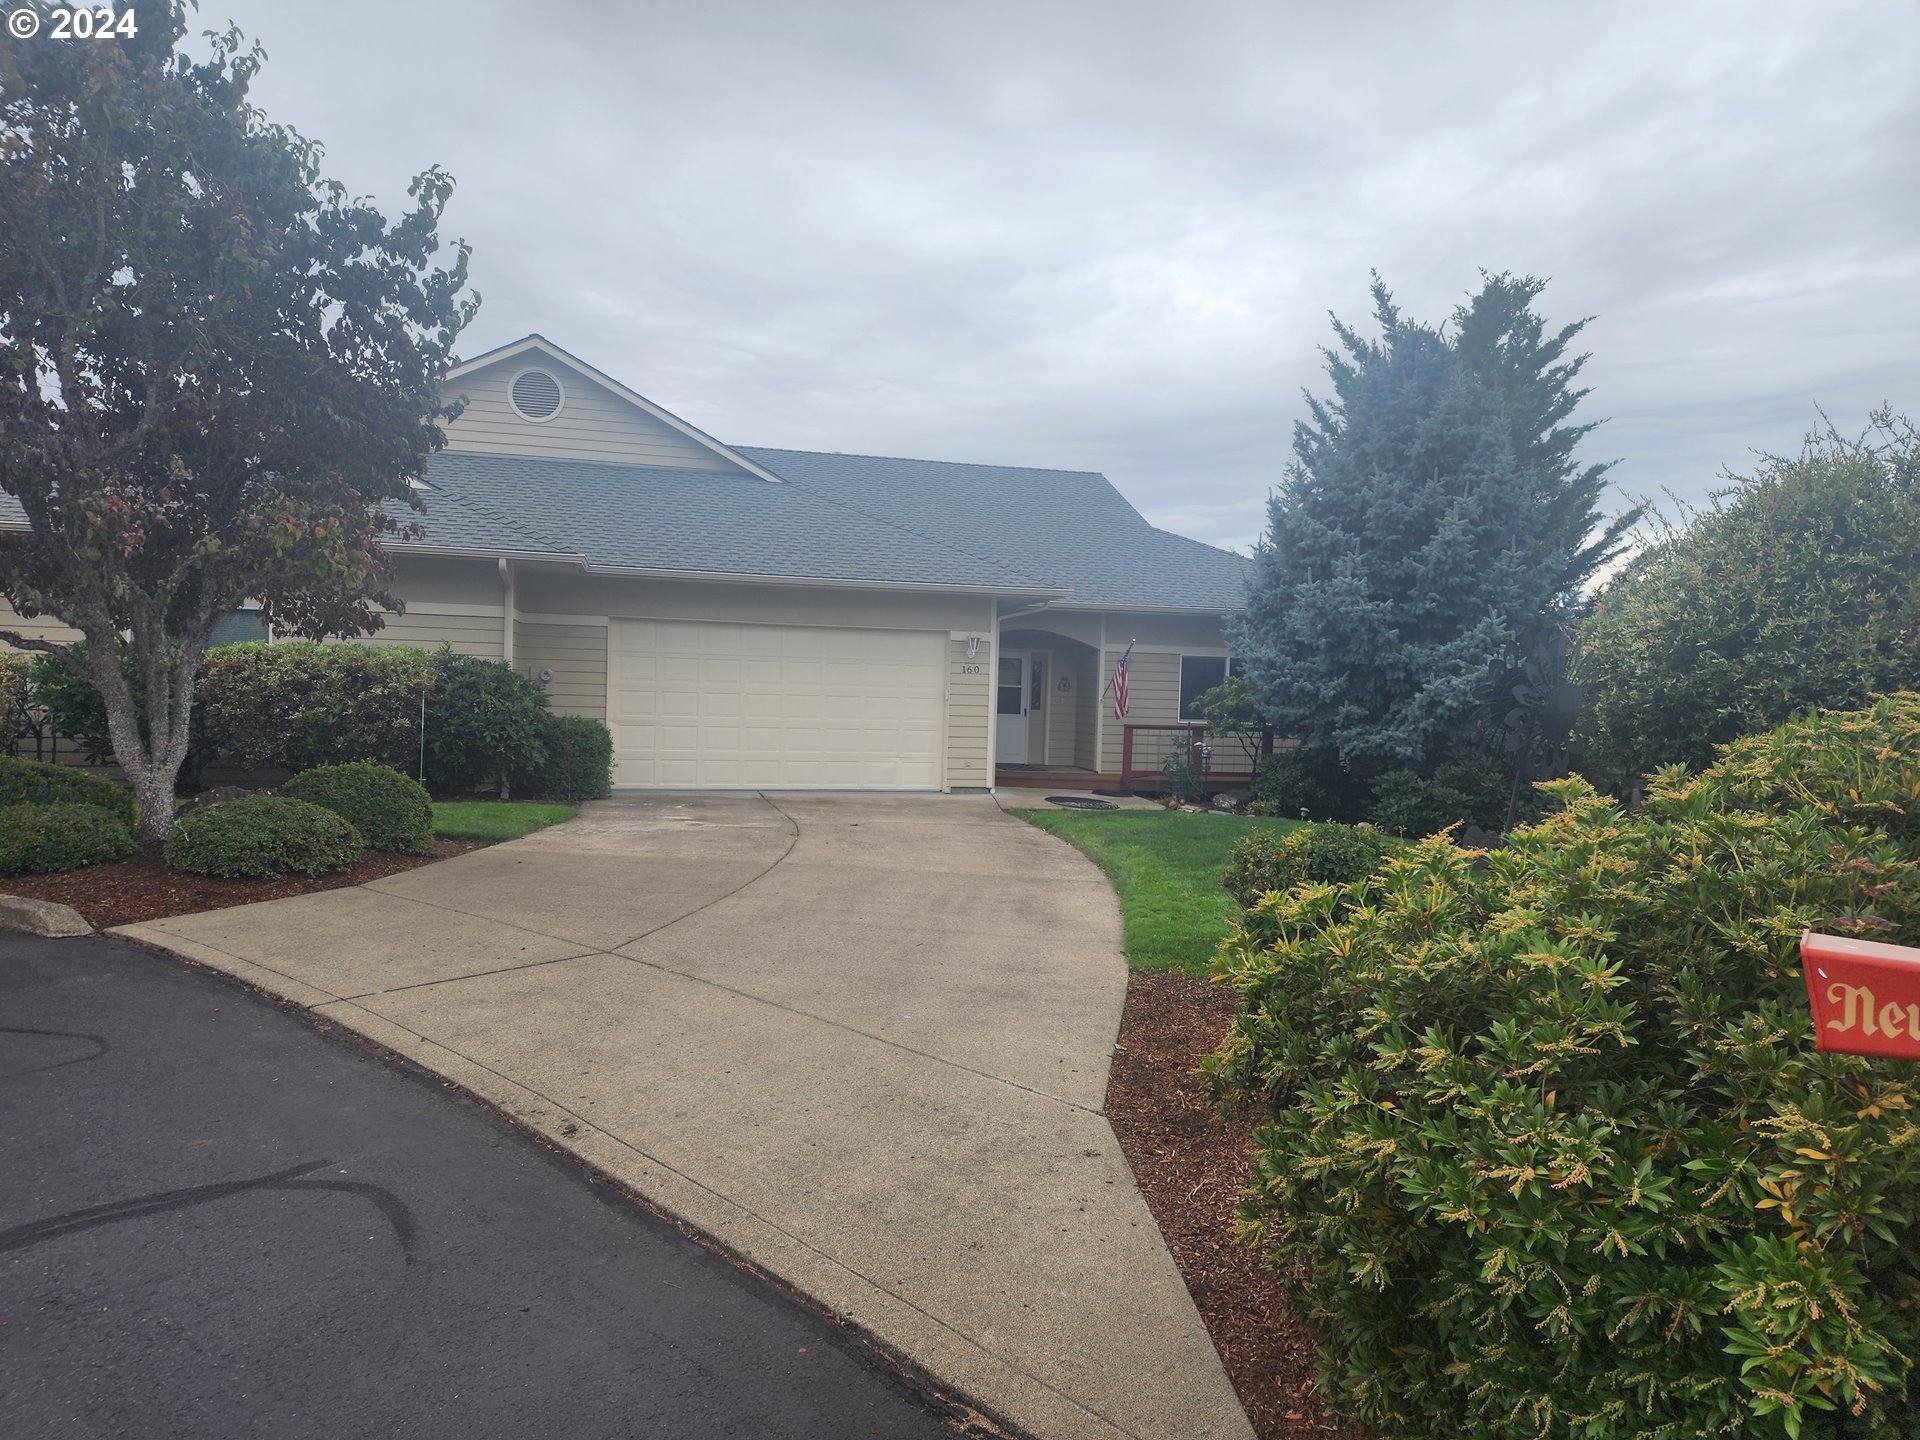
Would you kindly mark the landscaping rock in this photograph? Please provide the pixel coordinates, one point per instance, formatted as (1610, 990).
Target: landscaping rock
(1233, 799)
(40, 917)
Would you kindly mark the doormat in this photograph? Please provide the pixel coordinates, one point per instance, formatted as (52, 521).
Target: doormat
(1080, 802)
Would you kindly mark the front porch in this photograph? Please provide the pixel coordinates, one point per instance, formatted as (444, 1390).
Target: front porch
(1144, 749)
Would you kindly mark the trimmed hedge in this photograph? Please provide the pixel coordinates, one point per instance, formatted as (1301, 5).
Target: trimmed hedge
(1330, 854)
(36, 782)
(486, 725)
(390, 810)
(46, 839)
(298, 705)
(262, 835)
(1547, 1147)
(578, 762)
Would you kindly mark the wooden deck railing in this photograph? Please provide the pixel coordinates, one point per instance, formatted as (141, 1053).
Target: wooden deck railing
(1142, 759)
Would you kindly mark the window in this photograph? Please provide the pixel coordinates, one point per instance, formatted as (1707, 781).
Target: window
(237, 626)
(1199, 674)
(1010, 686)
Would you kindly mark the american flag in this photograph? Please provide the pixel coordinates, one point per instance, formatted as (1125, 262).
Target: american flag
(1120, 685)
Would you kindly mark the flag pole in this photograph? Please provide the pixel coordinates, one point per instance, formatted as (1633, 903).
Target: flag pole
(1126, 655)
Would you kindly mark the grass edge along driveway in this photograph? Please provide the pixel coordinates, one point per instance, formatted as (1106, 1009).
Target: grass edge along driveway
(488, 822)
(1166, 867)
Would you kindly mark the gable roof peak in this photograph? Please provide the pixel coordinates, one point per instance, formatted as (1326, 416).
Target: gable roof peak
(534, 341)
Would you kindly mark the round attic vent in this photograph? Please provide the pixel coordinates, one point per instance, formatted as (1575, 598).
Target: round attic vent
(536, 395)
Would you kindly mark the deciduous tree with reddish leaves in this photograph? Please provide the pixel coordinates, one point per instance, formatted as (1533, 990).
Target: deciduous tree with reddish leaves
(219, 371)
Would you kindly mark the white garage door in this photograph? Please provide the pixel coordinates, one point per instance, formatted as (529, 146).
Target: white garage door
(710, 706)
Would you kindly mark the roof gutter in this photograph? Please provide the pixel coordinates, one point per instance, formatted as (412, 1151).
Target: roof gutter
(727, 577)
(1022, 614)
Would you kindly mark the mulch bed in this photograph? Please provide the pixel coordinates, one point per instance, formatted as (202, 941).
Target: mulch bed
(143, 888)
(1191, 1166)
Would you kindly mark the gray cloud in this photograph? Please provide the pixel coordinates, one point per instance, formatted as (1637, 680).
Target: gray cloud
(1108, 236)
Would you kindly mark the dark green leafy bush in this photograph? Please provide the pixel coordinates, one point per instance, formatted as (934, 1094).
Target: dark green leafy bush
(1417, 801)
(35, 782)
(45, 839)
(1799, 586)
(1548, 1149)
(262, 835)
(577, 763)
(390, 810)
(74, 709)
(486, 725)
(1329, 854)
(300, 705)
(14, 696)
(1313, 781)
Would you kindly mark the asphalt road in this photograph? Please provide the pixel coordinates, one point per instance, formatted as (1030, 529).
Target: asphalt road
(217, 1221)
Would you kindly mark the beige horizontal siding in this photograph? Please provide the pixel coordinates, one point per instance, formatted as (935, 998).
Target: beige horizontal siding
(42, 627)
(1062, 708)
(577, 656)
(477, 635)
(968, 705)
(593, 423)
(1153, 695)
(1086, 707)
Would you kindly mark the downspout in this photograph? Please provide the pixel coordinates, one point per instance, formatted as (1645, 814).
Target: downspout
(506, 612)
(993, 680)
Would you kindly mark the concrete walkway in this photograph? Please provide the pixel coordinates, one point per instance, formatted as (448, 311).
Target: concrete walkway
(860, 1040)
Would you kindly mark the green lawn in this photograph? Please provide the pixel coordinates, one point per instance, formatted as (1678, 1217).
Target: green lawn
(1166, 864)
(491, 821)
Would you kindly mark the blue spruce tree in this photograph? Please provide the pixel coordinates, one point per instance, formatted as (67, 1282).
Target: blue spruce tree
(1404, 547)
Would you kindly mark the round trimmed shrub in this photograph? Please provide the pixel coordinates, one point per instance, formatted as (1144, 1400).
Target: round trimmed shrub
(1547, 1147)
(1329, 854)
(262, 835)
(35, 782)
(390, 810)
(46, 839)
(578, 763)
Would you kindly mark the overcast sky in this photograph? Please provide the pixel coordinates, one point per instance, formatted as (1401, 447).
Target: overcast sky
(1107, 236)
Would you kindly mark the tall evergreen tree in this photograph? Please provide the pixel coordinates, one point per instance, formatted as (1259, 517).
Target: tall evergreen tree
(1504, 345)
(1419, 525)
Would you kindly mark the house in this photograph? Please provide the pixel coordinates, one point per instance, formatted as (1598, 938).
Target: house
(769, 619)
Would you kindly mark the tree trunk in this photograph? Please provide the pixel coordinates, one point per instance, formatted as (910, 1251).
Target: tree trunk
(154, 791)
(152, 764)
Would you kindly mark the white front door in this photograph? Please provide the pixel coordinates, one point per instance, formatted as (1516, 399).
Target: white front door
(1010, 708)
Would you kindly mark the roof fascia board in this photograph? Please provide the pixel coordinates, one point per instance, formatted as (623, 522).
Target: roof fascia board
(724, 577)
(632, 397)
(1081, 605)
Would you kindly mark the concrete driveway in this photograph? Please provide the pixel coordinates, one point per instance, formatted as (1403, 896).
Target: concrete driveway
(860, 1040)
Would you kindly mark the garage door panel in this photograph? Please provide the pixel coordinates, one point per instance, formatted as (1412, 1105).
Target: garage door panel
(699, 705)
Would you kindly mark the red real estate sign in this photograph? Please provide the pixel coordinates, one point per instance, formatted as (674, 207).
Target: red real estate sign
(1866, 996)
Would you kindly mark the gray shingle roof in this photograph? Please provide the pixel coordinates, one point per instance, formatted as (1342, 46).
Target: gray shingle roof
(651, 518)
(1068, 527)
(839, 517)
